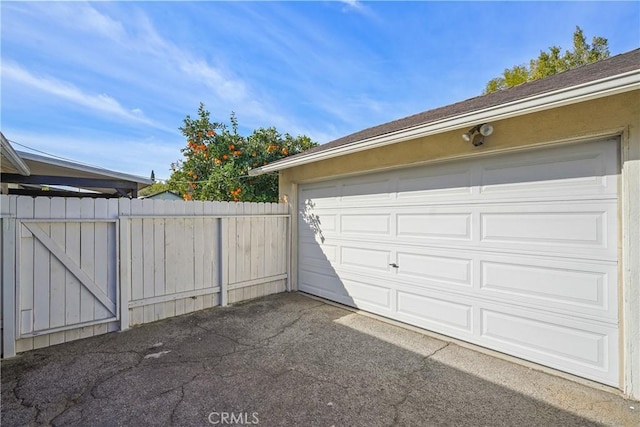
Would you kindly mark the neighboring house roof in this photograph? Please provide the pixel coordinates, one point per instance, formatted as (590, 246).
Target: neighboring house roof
(617, 74)
(47, 171)
(164, 194)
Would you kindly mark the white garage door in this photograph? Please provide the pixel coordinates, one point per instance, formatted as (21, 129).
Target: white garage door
(517, 253)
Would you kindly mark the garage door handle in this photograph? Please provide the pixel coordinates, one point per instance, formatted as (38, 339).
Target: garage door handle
(394, 265)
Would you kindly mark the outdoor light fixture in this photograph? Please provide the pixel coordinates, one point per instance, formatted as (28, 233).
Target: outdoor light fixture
(476, 134)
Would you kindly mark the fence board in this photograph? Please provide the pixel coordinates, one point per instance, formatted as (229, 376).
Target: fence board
(211, 245)
(170, 266)
(41, 278)
(245, 253)
(101, 263)
(231, 253)
(58, 273)
(72, 285)
(148, 259)
(188, 282)
(87, 264)
(8, 248)
(158, 258)
(24, 278)
(227, 230)
(268, 241)
(136, 289)
(114, 255)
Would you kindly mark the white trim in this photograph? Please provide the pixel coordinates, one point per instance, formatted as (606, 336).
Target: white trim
(13, 157)
(293, 224)
(608, 86)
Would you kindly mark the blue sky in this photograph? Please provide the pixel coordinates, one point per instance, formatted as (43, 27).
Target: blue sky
(109, 83)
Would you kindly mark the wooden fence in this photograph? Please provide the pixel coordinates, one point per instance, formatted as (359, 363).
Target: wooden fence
(78, 267)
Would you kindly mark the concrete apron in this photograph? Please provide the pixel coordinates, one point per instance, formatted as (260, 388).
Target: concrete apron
(289, 360)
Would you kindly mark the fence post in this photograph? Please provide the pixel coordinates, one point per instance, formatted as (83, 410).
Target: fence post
(8, 287)
(125, 271)
(288, 251)
(223, 260)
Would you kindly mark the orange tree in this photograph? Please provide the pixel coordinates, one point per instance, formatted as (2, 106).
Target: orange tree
(217, 160)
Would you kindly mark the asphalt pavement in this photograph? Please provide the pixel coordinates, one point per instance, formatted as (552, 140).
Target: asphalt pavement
(289, 360)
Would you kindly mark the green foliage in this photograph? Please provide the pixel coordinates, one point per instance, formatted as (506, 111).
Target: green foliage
(217, 160)
(154, 188)
(552, 62)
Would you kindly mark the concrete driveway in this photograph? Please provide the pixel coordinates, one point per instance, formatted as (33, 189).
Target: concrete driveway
(289, 360)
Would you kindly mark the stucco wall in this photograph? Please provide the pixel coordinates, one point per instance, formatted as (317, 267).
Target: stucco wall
(617, 114)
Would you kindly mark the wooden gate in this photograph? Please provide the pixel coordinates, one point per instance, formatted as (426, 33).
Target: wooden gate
(67, 275)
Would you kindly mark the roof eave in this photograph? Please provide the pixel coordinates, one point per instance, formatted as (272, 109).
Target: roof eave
(13, 157)
(608, 86)
(110, 174)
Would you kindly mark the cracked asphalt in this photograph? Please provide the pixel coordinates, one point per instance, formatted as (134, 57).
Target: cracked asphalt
(289, 360)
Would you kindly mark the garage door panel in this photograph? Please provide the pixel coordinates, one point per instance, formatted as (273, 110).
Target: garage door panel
(367, 293)
(316, 223)
(377, 191)
(564, 171)
(550, 338)
(574, 347)
(319, 196)
(517, 253)
(435, 267)
(578, 229)
(584, 228)
(375, 259)
(320, 222)
(589, 291)
(437, 183)
(313, 252)
(318, 280)
(435, 310)
(365, 224)
(434, 225)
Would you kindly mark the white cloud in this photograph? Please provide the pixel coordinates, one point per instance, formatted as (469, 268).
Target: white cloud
(356, 6)
(98, 102)
(90, 20)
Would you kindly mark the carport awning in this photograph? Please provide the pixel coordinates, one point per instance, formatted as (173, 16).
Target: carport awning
(34, 170)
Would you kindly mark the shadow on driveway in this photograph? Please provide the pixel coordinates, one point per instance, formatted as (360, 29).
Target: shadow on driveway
(288, 360)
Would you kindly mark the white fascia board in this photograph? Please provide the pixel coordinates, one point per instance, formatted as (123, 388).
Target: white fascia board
(608, 86)
(100, 173)
(13, 157)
